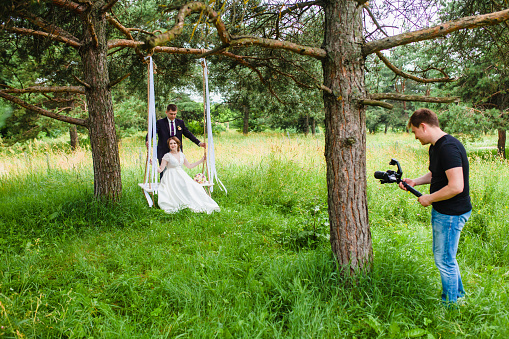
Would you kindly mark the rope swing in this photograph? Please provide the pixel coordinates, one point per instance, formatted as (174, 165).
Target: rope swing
(211, 161)
(150, 184)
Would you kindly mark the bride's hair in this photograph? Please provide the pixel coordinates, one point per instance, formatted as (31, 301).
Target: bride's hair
(176, 140)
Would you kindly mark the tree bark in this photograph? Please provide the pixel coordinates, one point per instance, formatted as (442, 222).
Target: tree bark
(345, 137)
(103, 140)
(313, 126)
(73, 135)
(501, 143)
(245, 129)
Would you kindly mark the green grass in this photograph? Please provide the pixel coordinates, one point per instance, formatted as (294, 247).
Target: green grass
(72, 267)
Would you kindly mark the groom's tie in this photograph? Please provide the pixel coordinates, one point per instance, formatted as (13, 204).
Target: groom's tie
(172, 129)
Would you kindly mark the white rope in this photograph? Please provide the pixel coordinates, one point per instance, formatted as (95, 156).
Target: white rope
(151, 178)
(211, 161)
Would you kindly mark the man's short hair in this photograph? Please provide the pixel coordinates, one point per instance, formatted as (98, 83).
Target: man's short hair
(423, 115)
(171, 107)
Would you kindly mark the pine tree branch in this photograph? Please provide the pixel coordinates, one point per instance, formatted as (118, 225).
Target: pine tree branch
(281, 13)
(216, 50)
(119, 80)
(124, 43)
(301, 5)
(159, 49)
(81, 81)
(109, 5)
(93, 34)
(405, 97)
(326, 89)
(45, 89)
(186, 10)
(119, 26)
(56, 37)
(73, 6)
(314, 52)
(301, 84)
(224, 36)
(47, 27)
(370, 102)
(410, 76)
(42, 111)
(366, 7)
(436, 31)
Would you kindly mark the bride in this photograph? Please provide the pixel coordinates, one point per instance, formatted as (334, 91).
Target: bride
(177, 190)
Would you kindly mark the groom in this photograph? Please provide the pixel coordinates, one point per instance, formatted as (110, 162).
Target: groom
(169, 127)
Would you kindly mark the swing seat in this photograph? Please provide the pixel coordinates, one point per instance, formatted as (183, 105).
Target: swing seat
(150, 188)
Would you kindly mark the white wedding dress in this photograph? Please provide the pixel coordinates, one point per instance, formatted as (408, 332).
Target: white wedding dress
(177, 190)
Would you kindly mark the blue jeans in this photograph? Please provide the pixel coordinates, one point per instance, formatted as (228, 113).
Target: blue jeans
(446, 235)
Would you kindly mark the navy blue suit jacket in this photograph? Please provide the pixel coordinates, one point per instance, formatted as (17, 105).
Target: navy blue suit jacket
(163, 134)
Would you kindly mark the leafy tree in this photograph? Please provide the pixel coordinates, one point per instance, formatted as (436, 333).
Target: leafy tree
(480, 57)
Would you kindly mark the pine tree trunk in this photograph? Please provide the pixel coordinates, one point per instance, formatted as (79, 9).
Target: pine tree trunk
(313, 126)
(501, 143)
(345, 137)
(73, 130)
(73, 135)
(245, 130)
(103, 140)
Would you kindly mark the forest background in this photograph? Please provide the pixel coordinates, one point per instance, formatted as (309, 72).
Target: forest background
(471, 64)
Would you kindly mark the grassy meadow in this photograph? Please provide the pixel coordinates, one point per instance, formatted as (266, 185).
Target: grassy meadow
(72, 267)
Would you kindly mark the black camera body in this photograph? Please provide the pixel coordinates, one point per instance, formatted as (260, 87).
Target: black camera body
(391, 176)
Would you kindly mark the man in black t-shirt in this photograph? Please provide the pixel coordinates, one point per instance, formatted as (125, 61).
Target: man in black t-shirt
(449, 196)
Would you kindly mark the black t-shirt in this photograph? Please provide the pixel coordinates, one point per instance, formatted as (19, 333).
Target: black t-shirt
(449, 153)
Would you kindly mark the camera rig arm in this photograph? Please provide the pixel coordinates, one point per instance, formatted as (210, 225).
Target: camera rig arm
(411, 189)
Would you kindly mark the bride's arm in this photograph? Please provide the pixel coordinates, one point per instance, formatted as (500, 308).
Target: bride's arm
(163, 165)
(194, 164)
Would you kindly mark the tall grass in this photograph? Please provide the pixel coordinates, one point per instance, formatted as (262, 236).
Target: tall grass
(75, 268)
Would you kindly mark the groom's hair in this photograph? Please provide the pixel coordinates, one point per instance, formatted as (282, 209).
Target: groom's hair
(176, 140)
(171, 107)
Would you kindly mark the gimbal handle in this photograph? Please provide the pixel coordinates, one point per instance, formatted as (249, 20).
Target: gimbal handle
(411, 189)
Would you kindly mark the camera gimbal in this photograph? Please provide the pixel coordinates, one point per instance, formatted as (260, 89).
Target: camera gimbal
(391, 176)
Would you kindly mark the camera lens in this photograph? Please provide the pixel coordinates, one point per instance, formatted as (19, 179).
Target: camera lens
(379, 175)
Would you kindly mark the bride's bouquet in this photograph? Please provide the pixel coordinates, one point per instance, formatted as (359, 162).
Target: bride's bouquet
(200, 178)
